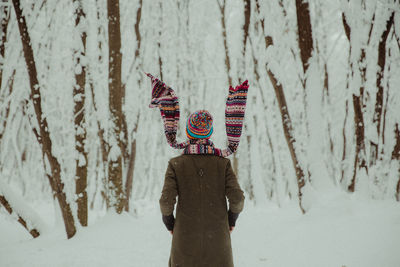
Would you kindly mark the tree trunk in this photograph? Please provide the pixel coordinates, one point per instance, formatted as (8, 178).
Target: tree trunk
(137, 30)
(35, 233)
(132, 155)
(10, 86)
(396, 156)
(360, 154)
(359, 161)
(287, 127)
(79, 115)
(247, 14)
(286, 123)
(304, 32)
(305, 40)
(268, 41)
(131, 167)
(235, 162)
(43, 138)
(241, 70)
(326, 94)
(129, 174)
(344, 141)
(138, 39)
(288, 130)
(227, 59)
(249, 185)
(379, 93)
(117, 141)
(5, 17)
(104, 148)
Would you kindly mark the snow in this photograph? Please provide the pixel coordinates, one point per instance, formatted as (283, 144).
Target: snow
(339, 230)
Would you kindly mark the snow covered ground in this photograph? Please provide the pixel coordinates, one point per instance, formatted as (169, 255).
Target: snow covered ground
(341, 230)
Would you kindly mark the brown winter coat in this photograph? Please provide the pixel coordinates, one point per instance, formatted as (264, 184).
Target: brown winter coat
(201, 232)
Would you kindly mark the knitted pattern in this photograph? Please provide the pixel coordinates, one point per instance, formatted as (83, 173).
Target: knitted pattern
(199, 125)
(234, 114)
(166, 100)
(163, 97)
(202, 146)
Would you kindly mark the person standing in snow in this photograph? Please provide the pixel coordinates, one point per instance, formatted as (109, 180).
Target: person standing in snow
(202, 178)
(201, 181)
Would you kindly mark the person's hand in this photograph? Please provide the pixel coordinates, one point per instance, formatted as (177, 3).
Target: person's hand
(232, 217)
(169, 222)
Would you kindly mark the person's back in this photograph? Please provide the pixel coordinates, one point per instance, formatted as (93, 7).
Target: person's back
(201, 231)
(202, 178)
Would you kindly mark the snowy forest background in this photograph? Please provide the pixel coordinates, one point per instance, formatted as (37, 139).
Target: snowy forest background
(76, 131)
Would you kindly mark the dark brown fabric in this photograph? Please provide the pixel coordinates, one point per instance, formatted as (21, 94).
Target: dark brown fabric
(169, 221)
(232, 217)
(201, 232)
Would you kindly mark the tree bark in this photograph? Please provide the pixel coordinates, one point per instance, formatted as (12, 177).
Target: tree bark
(268, 41)
(138, 37)
(137, 29)
(247, 14)
(5, 17)
(43, 138)
(287, 127)
(360, 154)
(288, 130)
(379, 77)
(10, 86)
(117, 142)
(305, 40)
(396, 156)
(160, 62)
(132, 155)
(79, 115)
(33, 231)
(129, 174)
(326, 94)
(344, 141)
(359, 161)
(286, 121)
(304, 32)
(131, 166)
(227, 59)
(104, 148)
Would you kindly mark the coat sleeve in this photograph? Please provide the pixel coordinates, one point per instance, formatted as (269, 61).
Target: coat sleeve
(233, 191)
(169, 192)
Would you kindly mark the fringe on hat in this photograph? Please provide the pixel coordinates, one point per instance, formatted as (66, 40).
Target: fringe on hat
(166, 100)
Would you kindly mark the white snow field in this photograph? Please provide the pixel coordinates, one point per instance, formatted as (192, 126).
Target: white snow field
(341, 230)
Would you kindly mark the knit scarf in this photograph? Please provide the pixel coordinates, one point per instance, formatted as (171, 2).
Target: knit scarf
(164, 98)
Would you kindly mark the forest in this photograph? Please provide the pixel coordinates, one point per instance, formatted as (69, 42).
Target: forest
(77, 134)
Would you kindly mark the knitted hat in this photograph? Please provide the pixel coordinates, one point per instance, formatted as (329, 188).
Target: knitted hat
(199, 125)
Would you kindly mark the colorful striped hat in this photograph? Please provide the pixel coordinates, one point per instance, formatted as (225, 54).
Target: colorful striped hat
(199, 125)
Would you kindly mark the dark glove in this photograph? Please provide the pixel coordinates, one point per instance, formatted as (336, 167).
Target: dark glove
(232, 217)
(169, 221)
